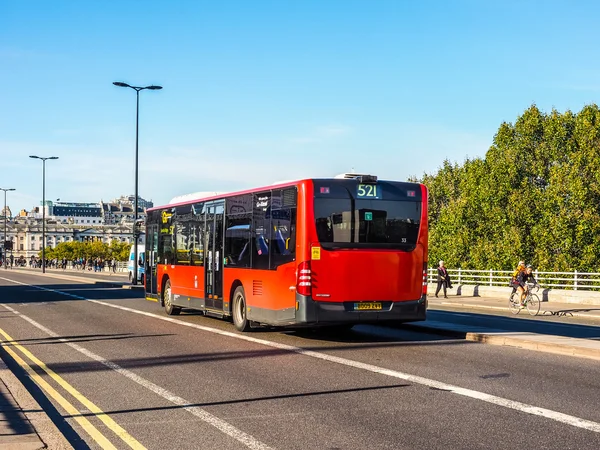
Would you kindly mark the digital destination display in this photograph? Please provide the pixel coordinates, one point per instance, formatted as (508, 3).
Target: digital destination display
(370, 191)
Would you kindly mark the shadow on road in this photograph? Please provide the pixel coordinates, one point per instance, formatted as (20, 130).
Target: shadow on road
(495, 322)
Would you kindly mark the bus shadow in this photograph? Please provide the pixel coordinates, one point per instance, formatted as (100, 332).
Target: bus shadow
(471, 321)
(55, 293)
(365, 334)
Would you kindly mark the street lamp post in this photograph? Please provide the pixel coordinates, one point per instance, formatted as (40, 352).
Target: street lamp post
(5, 190)
(44, 207)
(137, 90)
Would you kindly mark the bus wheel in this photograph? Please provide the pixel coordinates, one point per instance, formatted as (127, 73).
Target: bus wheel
(239, 310)
(168, 300)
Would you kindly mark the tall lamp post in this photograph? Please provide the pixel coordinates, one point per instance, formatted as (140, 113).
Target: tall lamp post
(44, 207)
(137, 90)
(5, 190)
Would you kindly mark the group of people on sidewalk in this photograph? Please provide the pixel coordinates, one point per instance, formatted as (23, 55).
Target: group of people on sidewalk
(519, 280)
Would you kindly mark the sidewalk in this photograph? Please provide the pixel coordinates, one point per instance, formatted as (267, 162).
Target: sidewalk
(16, 432)
(557, 309)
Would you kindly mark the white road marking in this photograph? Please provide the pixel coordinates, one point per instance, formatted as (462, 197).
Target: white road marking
(203, 415)
(488, 398)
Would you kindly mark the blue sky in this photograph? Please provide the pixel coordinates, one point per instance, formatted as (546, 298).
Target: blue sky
(260, 91)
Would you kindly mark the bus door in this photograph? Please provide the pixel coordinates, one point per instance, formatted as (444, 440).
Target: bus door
(151, 259)
(214, 255)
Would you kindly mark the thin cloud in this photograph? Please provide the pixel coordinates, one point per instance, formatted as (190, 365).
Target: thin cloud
(322, 134)
(333, 130)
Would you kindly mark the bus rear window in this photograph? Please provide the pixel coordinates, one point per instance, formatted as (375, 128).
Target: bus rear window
(360, 223)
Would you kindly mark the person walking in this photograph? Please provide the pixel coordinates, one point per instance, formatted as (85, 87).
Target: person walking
(443, 279)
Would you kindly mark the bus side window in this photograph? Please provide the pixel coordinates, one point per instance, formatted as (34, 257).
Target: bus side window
(284, 238)
(261, 255)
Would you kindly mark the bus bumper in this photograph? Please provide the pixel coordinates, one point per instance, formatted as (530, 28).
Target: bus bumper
(309, 311)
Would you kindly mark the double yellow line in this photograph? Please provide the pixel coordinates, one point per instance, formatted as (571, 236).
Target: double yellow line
(8, 344)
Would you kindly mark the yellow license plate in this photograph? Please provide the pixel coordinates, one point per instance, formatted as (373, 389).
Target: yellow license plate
(367, 306)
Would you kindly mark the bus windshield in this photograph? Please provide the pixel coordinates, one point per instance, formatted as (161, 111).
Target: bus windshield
(344, 221)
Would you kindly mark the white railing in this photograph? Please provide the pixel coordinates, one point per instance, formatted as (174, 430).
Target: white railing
(565, 280)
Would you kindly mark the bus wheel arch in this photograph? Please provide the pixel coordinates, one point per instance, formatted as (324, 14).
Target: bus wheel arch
(166, 298)
(239, 309)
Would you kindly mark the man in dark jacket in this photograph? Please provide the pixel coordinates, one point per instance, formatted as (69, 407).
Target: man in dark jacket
(443, 279)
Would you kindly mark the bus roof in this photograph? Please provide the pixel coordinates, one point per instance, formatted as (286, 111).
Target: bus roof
(208, 195)
(195, 196)
(189, 198)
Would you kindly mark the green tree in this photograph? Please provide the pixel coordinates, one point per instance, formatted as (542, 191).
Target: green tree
(535, 196)
(89, 250)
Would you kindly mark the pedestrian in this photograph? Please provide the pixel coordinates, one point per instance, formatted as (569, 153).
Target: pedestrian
(443, 279)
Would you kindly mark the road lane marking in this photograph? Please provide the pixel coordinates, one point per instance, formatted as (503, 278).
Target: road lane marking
(68, 407)
(223, 426)
(107, 420)
(477, 395)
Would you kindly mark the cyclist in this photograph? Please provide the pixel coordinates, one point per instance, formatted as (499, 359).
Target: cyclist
(523, 278)
(513, 280)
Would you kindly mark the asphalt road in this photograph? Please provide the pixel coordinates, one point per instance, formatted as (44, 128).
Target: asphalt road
(118, 370)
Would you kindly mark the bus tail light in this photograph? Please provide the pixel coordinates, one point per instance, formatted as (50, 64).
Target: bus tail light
(425, 278)
(304, 279)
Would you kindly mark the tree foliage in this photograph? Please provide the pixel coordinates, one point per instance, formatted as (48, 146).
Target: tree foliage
(535, 196)
(89, 250)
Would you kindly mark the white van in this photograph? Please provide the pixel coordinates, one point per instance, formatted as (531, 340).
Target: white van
(141, 260)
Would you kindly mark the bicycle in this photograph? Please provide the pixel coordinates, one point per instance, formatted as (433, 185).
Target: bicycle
(531, 301)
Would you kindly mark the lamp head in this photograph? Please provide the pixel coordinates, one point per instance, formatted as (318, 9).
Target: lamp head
(154, 88)
(120, 84)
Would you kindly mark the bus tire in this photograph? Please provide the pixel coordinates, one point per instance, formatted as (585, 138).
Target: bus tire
(238, 310)
(168, 300)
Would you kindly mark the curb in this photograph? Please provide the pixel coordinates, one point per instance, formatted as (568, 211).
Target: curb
(45, 433)
(559, 345)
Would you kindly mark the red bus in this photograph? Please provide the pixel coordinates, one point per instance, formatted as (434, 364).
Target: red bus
(314, 252)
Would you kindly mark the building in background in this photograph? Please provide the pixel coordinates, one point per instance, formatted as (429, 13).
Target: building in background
(68, 222)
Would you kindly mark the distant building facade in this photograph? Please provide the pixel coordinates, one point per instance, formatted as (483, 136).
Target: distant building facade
(26, 235)
(68, 222)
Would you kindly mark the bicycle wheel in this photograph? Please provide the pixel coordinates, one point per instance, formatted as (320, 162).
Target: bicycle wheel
(533, 305)
(513, 305)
